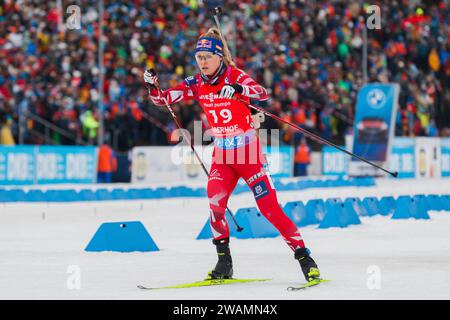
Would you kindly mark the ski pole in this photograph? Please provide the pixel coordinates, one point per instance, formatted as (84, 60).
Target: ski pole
(177, 123)
(215, 7)
(320, 139)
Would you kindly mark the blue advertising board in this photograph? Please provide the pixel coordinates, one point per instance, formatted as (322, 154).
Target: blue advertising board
(20, 165)
(66, 164)
(402, 158)
(374, 123)
(445, 157)
(334, 162)
(17, 165)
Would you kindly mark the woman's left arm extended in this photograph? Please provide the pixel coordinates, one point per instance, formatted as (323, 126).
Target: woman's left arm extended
(251, 88)
(245, 86)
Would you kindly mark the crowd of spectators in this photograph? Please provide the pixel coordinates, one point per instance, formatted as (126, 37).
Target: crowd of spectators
(307, 53)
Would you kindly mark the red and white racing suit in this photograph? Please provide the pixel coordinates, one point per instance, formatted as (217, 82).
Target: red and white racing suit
(237, 151)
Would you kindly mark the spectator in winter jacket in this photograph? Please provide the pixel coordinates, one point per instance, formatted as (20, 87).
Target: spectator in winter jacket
(301, 158)
(6, 137)
(107, 164)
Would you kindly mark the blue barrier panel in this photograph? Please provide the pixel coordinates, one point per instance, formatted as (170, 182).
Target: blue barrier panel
(422, 203)
(240, 188)
(408, 207)
(61, 195)
(341, 183)
(365, 181)
(255, 225)
(162, 192)
(200, 192)
(183, 191)
(126, 236)
(174, 192)
(360, 209)
(296, 211)
(445, 200)
(421, 211)
(292, 186)
(179, 192)
(326, 183)
(319, 184)
(103, 194)
(278, 185)
(16, 195)
(35, 196)
(87, 195)
(206, 233)
(147, 193)
(4, 196)
(134, 194)
(339, 214)
(156, 193)
(387, 205)
(302, 184)
(316, 208)
(120, 194)
(335, 200)
(403, 208)
(435, 202)
(334, 215)
(372, 206)
(70, 195)
(350, 215)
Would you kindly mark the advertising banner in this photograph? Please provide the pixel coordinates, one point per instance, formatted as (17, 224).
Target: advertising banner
(445, 157)
(64, 164)
(17, 165)
(334, 162)
(27, 165)
(402, 158)
(373, 126)
(428, 157)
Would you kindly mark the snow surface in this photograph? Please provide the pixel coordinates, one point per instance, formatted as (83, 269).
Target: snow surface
(39, 242)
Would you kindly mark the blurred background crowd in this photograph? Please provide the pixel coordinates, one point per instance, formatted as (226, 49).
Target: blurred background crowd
(307, 53)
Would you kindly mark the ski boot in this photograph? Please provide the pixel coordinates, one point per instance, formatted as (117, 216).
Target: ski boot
(224, 267)
(308, 265)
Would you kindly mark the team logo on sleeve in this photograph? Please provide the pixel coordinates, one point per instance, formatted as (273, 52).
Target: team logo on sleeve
(190, 81)
(260, 190)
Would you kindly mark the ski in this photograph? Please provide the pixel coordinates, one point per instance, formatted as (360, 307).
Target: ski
(205, 283)
(307, 285)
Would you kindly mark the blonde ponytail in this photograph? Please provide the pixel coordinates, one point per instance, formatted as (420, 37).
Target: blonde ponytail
(216, 34)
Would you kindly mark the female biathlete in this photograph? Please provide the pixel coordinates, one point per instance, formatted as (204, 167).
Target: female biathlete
(218, 87)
